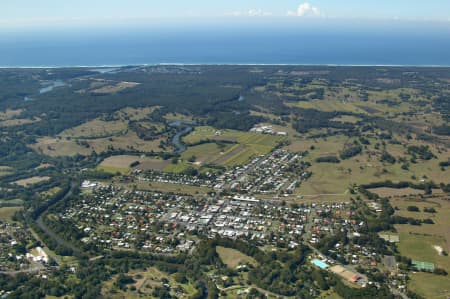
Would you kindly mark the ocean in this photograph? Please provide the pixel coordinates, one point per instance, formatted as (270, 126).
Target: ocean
(284, 43)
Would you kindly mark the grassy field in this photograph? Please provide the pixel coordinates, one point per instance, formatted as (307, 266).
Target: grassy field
(127, 141)
(7, 212)
(177, 116)
(206, 153)
(56, 147)
(15, 202)
(96, 128)
(10, 113)
(114, 88)
(347, 100)
(18, 122)
(329, 178)
(124, 161)
(114, 170)
(5, 170)
(441, 219)
(50, 192)
(206, 132)
(247, 144)
(328, 106)
(232, 258)
(430, 285)
(99, 135)
(421, 247)
(347, 119)
(421, 242)
(135, 114)
(31, 181)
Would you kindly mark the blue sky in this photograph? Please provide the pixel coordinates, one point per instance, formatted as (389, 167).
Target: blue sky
(43, 12)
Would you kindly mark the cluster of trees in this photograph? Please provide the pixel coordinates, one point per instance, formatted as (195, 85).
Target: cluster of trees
(387, 157)
(427, 186)
(242, 121)
(421, 151)
(328, 159)
(146, 133)
(350, 150)
(307, 119)
(444, 163)
(442, 130)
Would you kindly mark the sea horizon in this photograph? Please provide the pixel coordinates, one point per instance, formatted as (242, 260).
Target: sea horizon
(224, 64)
(309, 44)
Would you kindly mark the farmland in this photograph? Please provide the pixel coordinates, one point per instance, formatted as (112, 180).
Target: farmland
(95, 128)
(124, 162)
(6, 213)
(57, 147)
(31, 181)
(422, 243)
(5, 170)
(440, 218)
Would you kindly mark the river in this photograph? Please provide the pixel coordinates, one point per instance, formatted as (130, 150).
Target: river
(52, 234)
(176, 140)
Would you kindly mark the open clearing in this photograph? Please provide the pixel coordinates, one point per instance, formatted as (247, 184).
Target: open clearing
(331, 178)
(56, 147)
(128, 141)
(145, 283)
(18, 122)
(232, 257)
(347, 119)
(10, 113)
(31, 181)
(247, 144)
(124, 161)
(420, 242)
(7, 212)
(135, 114)
(421, 247)
(50, 192)
(114, 88)
(5, 170)
(177, 116)
(430, 285)
(96, 128)
(206, 153)
(440, 218)
(346, 99)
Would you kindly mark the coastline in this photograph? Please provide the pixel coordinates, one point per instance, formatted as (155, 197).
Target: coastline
(225, 64)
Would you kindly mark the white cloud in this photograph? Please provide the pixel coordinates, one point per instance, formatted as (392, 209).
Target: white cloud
(305, 9)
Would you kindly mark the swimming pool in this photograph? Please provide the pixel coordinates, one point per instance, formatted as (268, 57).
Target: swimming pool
(320, 264)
